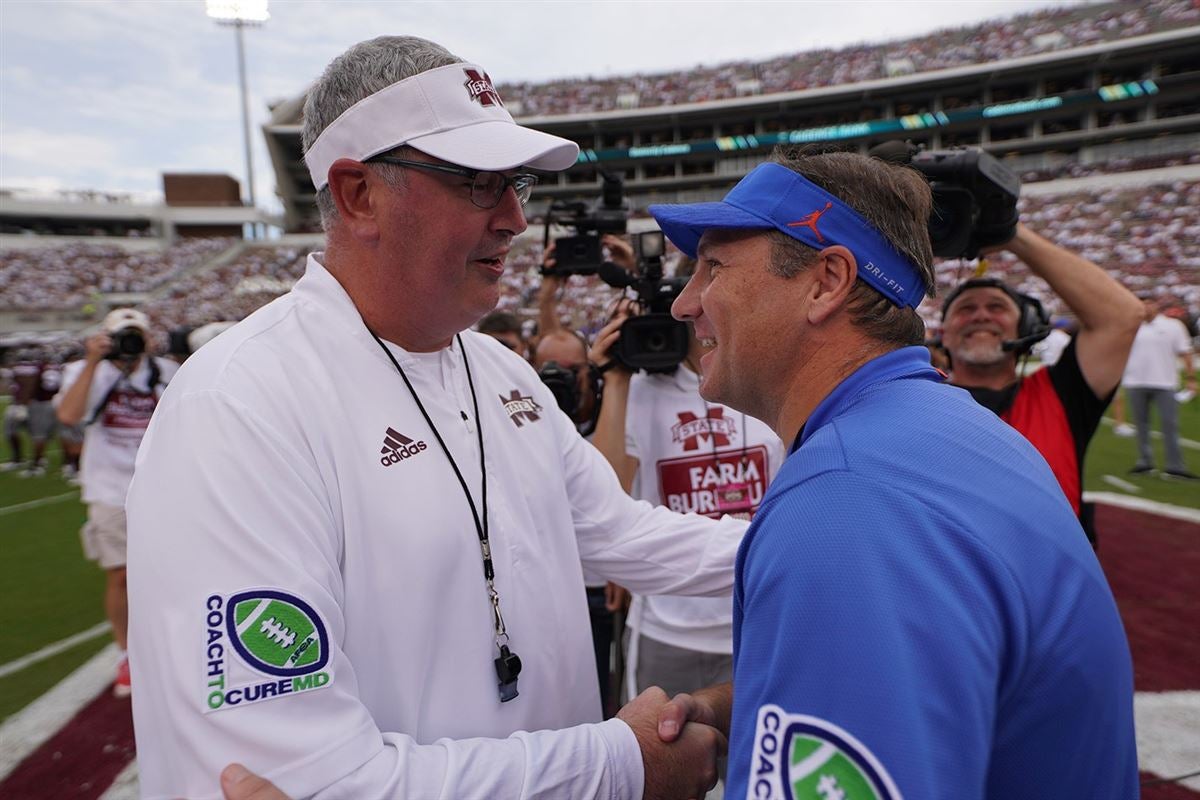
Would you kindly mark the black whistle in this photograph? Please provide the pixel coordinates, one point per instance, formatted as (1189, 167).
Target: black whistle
(508, 667)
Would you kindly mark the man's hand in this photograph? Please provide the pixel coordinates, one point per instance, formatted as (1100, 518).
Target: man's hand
(711, 706)
(239, 783)
(549, 263)
(620, 252)
(600, 352)
(683, 768)
(96, 347)
(616, 598)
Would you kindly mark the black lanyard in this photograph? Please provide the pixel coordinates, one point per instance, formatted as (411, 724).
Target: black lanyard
(508, 665)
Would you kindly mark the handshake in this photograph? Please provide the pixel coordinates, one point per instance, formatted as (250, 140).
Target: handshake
(680, 738)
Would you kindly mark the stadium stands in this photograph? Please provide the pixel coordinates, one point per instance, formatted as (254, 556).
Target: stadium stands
(1147, 237)
(75, 274)
(997, 40)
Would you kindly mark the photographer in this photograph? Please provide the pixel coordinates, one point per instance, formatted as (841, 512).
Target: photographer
(987, 326)
(112, 392)
(672, 448)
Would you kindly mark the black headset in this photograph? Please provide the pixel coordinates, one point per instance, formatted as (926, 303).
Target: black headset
(1033, 325)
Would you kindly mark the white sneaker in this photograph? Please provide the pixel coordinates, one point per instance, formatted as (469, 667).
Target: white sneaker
(10, 466)
(1124, 430)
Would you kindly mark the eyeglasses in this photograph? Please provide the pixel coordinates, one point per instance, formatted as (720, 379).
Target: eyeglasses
(486, 187)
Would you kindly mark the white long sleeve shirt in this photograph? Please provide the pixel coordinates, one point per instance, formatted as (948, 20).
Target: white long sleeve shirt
(307, 597)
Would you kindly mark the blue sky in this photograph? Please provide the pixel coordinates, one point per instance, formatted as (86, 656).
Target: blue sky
(109, 95)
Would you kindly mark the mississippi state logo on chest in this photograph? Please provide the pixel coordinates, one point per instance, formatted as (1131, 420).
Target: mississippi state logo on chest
(521, 408)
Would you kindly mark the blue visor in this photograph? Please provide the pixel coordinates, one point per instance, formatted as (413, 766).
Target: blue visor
(773, 197)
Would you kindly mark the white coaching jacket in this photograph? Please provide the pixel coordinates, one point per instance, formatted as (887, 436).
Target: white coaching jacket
(306, 583)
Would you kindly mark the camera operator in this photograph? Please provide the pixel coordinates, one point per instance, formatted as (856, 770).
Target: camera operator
(987, 326)
(561, 360)
(670, 447)
(112, 392)
(561, 355)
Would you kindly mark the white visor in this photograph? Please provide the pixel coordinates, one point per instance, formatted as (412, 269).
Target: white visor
(453, 113)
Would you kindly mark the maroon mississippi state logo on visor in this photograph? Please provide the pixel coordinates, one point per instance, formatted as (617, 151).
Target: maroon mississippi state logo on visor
(480, 88)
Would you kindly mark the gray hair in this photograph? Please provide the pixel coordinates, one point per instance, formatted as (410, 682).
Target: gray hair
(361, 71)
(897, 201)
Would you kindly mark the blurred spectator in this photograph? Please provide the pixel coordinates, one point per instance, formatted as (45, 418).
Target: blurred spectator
(34, 382)
(1152, 377)
(505, 328)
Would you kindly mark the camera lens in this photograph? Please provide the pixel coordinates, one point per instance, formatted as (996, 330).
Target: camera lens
(655, 342)
(129, 342)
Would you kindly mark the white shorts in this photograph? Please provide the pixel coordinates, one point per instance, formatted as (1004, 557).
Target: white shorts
(103, 535)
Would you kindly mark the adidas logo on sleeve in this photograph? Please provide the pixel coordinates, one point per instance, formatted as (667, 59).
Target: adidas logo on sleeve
(397, 447)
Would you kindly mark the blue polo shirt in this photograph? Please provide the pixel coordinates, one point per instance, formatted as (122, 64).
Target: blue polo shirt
(917, 614)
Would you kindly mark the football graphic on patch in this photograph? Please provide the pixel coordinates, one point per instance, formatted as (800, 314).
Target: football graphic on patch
(276, 633)
(799, 757)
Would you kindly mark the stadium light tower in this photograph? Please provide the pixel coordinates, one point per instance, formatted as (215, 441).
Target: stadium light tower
(239, 14)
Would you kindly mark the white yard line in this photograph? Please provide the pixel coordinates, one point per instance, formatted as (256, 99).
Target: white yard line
(49, 650)
(1168, 740)
(41, 501)
(1188, 443)
(28, 729)
(1149, 506)
(125, 786)
(1124, 486)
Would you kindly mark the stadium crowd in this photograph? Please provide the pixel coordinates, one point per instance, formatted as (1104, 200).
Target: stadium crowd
(74, 274)
(229, 292)
(1146, 237)
(1022, 35)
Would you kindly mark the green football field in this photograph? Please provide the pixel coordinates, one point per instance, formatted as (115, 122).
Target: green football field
(52, 592)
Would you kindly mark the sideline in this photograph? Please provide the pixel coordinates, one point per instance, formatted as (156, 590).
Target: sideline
(41, 501)
(54, 649)
(29, 728)
(1140, 504)
(1155, 434)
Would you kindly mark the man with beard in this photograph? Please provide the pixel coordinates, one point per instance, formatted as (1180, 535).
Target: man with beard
(987, 326)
